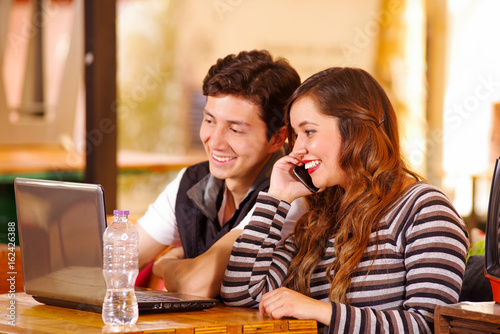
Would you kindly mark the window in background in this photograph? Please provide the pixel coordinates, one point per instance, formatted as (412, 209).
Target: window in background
(473, 85)
(41, 72)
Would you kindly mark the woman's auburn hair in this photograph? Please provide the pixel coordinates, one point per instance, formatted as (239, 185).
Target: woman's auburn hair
(375, 170)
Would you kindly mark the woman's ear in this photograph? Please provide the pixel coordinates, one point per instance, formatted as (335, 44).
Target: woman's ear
(278, 139)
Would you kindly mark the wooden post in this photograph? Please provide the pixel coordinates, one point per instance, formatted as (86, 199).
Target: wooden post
(100, 84)
(436, 65)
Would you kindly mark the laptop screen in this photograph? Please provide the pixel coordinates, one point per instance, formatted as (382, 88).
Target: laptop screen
(57, 220)
(492, 242)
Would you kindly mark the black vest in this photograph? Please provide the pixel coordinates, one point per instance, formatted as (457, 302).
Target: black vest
(198, 201)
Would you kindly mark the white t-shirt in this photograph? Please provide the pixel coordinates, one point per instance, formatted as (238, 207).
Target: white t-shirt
(160, 221)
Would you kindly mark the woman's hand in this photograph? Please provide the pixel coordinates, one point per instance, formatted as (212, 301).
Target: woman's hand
(284, 185)
(284, 302)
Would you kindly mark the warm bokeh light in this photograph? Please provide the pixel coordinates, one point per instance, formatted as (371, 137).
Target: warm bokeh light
(473, 84)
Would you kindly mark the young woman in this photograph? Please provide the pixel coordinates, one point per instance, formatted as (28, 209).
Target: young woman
(378, 249)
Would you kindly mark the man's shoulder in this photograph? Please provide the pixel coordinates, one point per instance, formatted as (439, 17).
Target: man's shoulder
(197, 171)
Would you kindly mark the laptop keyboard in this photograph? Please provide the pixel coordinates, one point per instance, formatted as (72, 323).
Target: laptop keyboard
(152, 297)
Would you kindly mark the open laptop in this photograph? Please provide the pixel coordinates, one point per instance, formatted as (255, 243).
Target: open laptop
(60, 232)
(492, 239)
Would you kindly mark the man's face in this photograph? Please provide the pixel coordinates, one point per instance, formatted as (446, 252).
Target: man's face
(234, 137)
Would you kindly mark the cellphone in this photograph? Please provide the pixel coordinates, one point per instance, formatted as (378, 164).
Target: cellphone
(304, 177)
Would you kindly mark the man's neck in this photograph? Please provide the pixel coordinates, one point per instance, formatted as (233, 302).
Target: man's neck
(236, 190)
(235, 193)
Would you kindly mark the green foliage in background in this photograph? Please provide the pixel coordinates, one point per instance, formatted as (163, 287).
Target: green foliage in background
(476, 248)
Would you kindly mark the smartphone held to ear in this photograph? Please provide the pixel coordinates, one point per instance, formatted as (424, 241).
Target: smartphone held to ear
(304, 177)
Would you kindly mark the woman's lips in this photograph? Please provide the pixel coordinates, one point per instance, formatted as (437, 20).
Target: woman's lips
(311, 165)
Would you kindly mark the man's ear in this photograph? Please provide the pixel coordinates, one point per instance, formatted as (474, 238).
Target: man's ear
(278, 139)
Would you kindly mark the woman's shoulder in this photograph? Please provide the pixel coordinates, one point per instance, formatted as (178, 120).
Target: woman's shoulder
(424, 191)
(423, 197)
(425, 209)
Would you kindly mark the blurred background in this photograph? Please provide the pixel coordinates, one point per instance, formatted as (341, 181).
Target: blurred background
(439, 61)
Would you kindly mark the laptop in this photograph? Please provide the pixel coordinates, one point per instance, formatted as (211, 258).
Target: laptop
(60, 226)
(492, 238)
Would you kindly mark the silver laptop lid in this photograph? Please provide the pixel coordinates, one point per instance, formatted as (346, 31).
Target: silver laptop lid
(56, 221)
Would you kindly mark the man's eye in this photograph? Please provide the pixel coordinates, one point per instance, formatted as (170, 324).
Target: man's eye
(235, 130)
(208, 121)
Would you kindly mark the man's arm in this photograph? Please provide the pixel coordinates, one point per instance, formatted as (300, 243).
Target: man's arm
(200, 276)
(160, 221)
(149, 248)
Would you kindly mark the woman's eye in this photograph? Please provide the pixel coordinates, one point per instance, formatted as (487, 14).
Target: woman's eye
(310, 132)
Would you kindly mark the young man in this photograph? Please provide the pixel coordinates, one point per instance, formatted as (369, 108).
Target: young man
(205, 208)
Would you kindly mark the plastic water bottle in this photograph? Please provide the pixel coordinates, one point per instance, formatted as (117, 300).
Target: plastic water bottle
(120, 269)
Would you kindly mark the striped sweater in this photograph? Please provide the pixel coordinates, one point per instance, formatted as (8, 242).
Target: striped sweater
(420, 263)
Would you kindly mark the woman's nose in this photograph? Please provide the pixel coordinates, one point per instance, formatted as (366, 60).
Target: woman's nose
(299, 149)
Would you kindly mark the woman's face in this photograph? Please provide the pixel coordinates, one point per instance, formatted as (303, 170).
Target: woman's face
(318, 143)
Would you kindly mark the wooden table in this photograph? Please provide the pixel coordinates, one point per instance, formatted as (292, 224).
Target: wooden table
(467, 317)
(33, 317)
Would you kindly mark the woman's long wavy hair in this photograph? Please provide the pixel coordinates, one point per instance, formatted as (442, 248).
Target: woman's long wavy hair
(376, 172)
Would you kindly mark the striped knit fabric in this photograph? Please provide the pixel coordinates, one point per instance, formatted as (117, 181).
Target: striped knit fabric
(422, 246)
